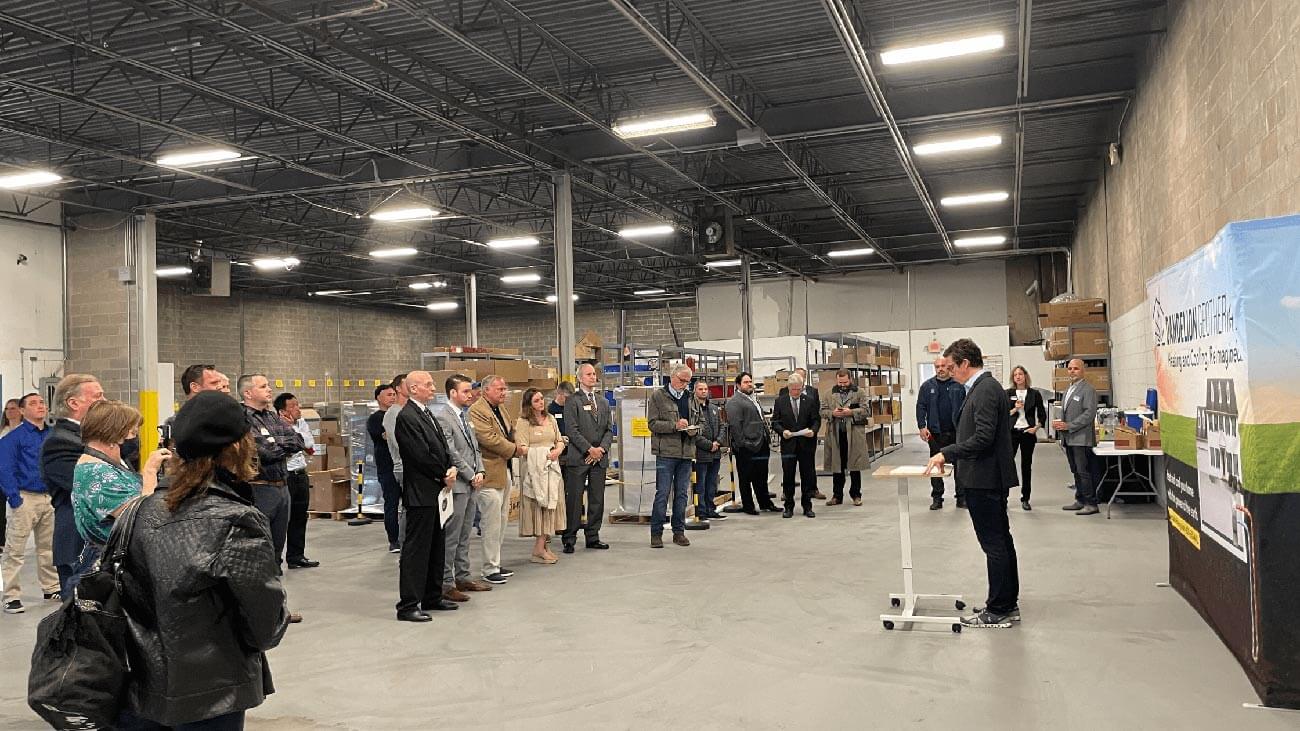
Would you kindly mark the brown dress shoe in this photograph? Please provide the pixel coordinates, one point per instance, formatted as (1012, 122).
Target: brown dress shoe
(455, 595)
(681, 539)
(294, 618)
(656, 541)
(473, 586)
(834, 501)
(818, 495)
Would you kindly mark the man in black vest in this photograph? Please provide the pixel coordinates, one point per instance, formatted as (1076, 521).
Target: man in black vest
(797, 417)
(985, 472)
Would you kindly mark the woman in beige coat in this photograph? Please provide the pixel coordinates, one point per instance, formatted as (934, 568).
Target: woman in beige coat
(541, 494)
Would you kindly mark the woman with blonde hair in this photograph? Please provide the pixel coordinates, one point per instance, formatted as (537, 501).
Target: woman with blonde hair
(1027, 416)
(13, 416)
(541, 494)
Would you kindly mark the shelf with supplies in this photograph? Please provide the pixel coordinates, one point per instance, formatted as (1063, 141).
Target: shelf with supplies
(650, 365)
(875, 367)
(1077, 328)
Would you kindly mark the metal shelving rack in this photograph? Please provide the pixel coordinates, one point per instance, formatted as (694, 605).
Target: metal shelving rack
(1092, 361)
(710, 365)
(819, 348)
(442, 356)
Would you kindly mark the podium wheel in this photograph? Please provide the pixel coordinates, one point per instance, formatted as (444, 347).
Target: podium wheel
(895, 602)
(957, 628)
(889, 624)
(960, 605)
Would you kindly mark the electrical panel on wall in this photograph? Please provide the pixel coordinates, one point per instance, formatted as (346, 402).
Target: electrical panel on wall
(210, 277)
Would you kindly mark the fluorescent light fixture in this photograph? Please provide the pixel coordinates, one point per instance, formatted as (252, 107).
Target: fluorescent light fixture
(421, 285)
(327, 292)
(29, 179)
(287, 262)
(959, 144)
(993, 196)
(839, 253)
(198, 157)
(521, 278)
(442, 306)
(649, 292)
(519, 242)
(723, 263)
(946, 49)
(399, 251)
(637, 232)
(556, 298)
(969, 241)
(172, 271)
(409, 213)
(651, 126)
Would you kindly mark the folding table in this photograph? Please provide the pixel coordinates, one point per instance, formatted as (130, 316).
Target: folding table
(1107, 449)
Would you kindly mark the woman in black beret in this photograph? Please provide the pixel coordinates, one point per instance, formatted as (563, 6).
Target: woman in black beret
(202, 588)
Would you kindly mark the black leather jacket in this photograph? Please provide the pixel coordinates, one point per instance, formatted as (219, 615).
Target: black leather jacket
(203, 593)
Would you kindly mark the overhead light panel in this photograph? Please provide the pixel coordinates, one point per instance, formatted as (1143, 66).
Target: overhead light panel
(390, 253)
(521, 278)
(286, 263)
(946, 49)
(29, 179)
(972, 241)
(410, 213)
(172, 271)
(636, 232)
(190, 158)
(993, 196)
(553, 298)
(723, 263)
(328, 292)
(649, 292)
(653, 126)
(442, 306)
(960, 144)
(842, 253)
(519, 242)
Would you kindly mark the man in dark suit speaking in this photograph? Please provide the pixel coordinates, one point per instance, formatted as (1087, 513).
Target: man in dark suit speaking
(426, 471)
(985, 472)
(797, 417)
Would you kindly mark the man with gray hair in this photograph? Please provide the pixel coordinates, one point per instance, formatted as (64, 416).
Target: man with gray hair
(797, 417)
(668, 414)
(73, 397)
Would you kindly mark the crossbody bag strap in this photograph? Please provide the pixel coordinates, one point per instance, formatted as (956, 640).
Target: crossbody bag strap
(119, 538)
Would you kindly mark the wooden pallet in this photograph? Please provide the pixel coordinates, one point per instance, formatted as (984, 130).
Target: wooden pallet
(630, 519)
(341, 515)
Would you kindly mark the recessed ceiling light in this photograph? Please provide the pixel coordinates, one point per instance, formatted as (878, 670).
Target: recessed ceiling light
(553, 298)
(190, 158)
(287, 262)
(327, 292)
(399, 251)
(723, 263)
(648, 292)
(521, 278)
(442, 306)
(946, 49)
(172, 271)
(969, 241)
(636, 232)
(650, 126)
(519, 242)
(838, 253)
(995, 196)
(29, 179)
(960, 144)
(409, 213)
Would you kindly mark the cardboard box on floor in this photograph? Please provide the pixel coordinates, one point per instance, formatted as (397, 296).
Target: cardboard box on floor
(1078, 312)
(331, 491)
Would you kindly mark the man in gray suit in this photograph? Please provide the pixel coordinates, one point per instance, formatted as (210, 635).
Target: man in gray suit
(587, 424)
(1079, 436)
(468, 460)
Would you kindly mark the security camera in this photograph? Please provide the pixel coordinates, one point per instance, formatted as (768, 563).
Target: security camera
(22, 259)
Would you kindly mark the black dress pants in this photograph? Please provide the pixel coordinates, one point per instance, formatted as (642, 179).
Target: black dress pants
(584, 481)
(273, 501)
(1024, 443)
(751, 468)
(420, 568)
(988, 513)
(855, 476)
(299, 497)
(392, 503)
(803, 459)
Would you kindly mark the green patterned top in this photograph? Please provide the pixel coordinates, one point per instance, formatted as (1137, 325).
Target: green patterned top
(99, 488)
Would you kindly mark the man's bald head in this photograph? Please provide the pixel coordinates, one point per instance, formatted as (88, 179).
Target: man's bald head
(1076, 369)
(420, 385)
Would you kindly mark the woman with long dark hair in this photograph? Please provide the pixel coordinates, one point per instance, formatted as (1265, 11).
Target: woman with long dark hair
(1027, 416)
(202, 587)
(13, 416)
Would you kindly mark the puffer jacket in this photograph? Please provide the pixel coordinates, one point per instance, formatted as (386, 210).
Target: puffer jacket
(203, 594)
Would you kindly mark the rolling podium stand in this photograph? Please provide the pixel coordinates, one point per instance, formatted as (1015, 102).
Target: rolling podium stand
(908, 600)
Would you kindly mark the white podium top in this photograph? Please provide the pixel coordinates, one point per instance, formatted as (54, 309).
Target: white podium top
(896, 471)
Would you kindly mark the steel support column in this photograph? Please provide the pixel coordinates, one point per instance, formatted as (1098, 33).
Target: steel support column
(141, 245)
(563, 227)
(471, 310)
(746, 317)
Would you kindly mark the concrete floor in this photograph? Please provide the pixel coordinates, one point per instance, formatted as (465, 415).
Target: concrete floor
(761, 623)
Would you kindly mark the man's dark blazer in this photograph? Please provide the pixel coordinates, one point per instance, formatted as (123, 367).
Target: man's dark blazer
(810, 417)
(425, 457)
(59, 457)
(981, 455)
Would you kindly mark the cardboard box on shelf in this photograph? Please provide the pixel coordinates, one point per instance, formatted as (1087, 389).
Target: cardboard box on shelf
(878, 391)
(505, 351)
(329, 426)
(843, 356)
(1126, 438)
(540, 373)
(545, 385)
(772, 386)
(514, 371)
(896, 388)
(1056, 343)
(1100, 379)
(1078, 312)
(1089, 341)
(475, 369)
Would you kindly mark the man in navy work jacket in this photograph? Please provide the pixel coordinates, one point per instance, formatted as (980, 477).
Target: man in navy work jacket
(937, 406)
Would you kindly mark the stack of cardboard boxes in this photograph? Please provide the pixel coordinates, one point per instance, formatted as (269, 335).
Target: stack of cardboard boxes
(1076, 329)
(329, 471)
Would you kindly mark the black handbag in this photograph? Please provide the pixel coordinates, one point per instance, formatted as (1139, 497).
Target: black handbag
(80, 664)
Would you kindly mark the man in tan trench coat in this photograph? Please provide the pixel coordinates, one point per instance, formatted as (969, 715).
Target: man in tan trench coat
(845, 413)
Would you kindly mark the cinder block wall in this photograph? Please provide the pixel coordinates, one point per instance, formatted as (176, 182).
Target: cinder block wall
(292, 339)
(99, 306)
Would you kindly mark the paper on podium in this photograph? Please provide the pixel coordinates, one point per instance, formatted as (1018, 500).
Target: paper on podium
(446, 506)
(908, 470)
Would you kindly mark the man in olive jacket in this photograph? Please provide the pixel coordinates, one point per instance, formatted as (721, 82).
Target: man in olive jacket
(673, 446)
(845, 413)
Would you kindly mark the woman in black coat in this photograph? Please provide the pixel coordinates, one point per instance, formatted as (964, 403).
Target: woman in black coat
(202, 588)
(1028, 415)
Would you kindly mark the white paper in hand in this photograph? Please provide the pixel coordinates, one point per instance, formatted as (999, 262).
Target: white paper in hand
(804, 433)
(446, 506)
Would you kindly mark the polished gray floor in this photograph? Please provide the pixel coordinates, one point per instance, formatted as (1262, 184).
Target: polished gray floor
(761, 623)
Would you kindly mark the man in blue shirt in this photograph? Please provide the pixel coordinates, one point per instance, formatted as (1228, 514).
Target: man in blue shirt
(25, 492)
(938, 405)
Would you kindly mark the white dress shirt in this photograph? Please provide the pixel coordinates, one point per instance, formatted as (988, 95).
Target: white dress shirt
(299, 460)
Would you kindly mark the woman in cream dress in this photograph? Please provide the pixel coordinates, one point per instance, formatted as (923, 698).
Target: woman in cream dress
(541, 494)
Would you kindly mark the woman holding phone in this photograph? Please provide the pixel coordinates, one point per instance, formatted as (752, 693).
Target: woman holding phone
(1028, 416)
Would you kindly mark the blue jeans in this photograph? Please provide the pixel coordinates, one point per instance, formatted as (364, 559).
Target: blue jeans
(706, 486)
(671, 474)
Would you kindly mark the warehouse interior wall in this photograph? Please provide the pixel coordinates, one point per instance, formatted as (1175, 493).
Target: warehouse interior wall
(31, 295)
(1212, 136)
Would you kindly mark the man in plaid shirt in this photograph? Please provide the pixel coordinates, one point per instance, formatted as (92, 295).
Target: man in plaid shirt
(276, 443)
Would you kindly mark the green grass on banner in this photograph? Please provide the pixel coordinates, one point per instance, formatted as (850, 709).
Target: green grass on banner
(1270, 453)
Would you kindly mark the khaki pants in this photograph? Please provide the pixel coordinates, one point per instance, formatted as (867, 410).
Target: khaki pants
(494, 509)
(34, 517)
